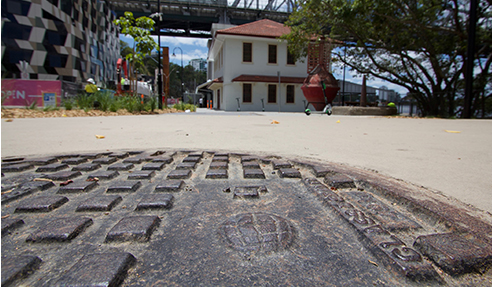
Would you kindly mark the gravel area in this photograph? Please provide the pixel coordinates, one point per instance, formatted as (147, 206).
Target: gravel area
(28, 113)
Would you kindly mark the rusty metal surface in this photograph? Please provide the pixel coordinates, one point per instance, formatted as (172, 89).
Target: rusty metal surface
(187, 218)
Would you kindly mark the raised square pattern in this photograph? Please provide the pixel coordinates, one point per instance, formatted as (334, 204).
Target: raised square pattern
(41, 203)
(61, 230)
(133, 228)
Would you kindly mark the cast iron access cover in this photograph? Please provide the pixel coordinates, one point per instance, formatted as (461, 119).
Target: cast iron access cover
(188, 218)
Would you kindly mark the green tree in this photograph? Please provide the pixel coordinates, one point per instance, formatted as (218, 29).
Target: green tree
(174, 80)
(419, 45)
(125, 49)
(147, 66)
(139, 29)
(150, 64)
(191, 79)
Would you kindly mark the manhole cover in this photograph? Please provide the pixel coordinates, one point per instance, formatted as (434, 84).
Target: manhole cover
(189, 218)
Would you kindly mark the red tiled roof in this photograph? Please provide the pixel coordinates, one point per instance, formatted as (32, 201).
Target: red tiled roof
(262, 28)
(218, 80)
(215, 81)
(268, 79)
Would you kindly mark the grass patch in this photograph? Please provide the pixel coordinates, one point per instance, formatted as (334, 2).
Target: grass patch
(31, 106)
(50, 108)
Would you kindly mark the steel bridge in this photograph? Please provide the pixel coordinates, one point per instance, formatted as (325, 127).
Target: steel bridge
(194, 18)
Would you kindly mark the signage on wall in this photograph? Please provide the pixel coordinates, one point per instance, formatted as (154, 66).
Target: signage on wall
(23, 93)
(49, 99)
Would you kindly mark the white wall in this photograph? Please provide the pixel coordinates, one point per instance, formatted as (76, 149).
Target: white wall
(259, 92)
(232, 67)
(234, 54)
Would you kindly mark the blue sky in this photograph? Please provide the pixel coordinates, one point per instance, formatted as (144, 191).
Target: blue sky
(195, 48)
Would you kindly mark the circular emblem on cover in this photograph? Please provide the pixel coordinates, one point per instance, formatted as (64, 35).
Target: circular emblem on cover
(259, 233)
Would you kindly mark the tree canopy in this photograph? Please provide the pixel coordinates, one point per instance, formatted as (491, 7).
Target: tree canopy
(191, 78)
(419, 45)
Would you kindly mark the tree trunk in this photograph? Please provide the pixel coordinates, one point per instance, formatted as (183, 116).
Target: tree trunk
(363, 94)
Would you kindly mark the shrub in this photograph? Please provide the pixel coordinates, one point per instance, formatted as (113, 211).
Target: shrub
(116, 104)
(50, 108)
(131, 103)
(31, 106)
(152, 103)
(85, 101)
(103, 100)
(184, 107)
(68, 104)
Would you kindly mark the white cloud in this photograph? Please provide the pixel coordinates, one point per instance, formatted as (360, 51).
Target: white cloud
(188, 55)
(179, 41)
(193, 48)
(127, 39)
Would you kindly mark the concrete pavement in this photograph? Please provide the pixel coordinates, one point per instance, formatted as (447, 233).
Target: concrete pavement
(419, 151)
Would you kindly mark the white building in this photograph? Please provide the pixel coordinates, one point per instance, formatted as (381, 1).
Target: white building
(199, 64)
(388, 95)
(253, 71)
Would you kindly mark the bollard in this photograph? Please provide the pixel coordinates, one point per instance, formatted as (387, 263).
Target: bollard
(142, 96)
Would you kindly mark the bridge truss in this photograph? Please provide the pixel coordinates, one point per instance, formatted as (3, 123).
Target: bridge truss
(194, 18)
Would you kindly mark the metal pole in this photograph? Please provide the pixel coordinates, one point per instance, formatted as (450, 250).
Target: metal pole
(159, 74)
(343, 82)
(470, 53)
(182, 70)
(278, 74)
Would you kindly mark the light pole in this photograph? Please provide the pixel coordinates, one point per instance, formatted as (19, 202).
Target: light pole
(167, 76)
(159, 74)
(182, 69)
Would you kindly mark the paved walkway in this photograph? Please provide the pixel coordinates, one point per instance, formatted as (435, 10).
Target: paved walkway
(418, 151)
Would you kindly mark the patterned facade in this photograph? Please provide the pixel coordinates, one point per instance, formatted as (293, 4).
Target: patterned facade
(68, 40)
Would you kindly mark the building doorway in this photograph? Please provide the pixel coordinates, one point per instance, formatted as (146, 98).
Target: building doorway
(218, 99)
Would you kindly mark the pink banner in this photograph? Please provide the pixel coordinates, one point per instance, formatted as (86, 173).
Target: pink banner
(23, 93)
(171, 101)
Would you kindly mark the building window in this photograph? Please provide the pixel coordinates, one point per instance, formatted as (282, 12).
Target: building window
(15, 31)
(272, 94)
(290, 94)
(17, 7)
(247, 93)
(272, 54)
(14, 56)
(56, 61)
(218, 95)
(290, 58)
(247, 52)
(54, 38)
(66, 6)
(54, 2)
